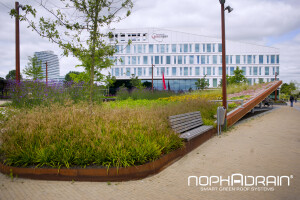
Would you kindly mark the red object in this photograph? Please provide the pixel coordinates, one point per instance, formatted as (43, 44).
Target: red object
(164, 82)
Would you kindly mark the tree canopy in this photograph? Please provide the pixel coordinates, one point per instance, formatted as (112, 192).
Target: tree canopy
(202, 83)
(237, 77)
(34, 68)
(78, 28)
(12, 75)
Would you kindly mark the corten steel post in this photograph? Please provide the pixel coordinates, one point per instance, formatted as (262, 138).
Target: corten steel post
(46, 73)
(152, 77)
(276, 88)
(224, 93)
(17, 43)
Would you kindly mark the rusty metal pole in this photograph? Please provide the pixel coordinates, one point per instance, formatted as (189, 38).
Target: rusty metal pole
(276, 88)
(17, 43)
(46, 73)
(152, 77)
(224, 93)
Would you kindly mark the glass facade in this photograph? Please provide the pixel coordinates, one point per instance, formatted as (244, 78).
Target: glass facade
(187, 60)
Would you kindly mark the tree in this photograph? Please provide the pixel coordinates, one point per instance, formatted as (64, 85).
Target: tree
(202, 83)
(68, 75)
(71, 33)
(34, 68)
(237, 77)
(288, 88)
(12, 75)
(136, 82)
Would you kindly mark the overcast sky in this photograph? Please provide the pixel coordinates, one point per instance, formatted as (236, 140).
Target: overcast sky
(274, 23)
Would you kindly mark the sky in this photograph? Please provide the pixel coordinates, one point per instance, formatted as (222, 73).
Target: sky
(274, 23)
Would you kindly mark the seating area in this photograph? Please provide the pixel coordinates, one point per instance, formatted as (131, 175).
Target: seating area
(188, 125)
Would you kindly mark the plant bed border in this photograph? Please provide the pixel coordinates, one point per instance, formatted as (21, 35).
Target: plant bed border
(110, 174)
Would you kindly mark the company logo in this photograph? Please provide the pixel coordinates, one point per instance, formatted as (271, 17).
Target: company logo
(239, 182)
(159, 36)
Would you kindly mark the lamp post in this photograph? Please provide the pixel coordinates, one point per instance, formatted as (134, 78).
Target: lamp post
(224, 93)
(17, 6)
(276, 88)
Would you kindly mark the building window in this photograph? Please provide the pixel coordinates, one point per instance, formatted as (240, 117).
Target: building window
(133, 60)
(259, 70)
(207, 59)
(180, 60)
(173, 71)
(150, 71)
(156, 60)
(145, 60)
(144, 71)
(186, 71)
(277, 59)
(184, 59)
(197, 47)
(128, 49)
(140, 48)
(277, 70)
(244, 71)
(254, 71)
(238, 59)
(117, 72)
(180, 71)
(128, 60)
(250, 71)
(198, 59)
(227, 58)
(186, 48)
(191, 71)
(261, 59)
(161, 60)
(202, 59)
(139, 60)
(267, 71)
(220, 71)
(214, 47)
(209, 71)
(191, 60)
(214, 69)
(215, 59)
(162, 48)
(204, 71)
(150, 48)
(249, 59)
(190, 47)
(254, 59)
(174, 60)
(208, 48)
(231, 70)
(268, 60)
(219, 47)
(203, 47)
(139, 71)
(181, 48)
(215, 82)
(272, 59)
(127, 71)
(168, 59)
(122, 60)
(273, 69)
(167, 48)
(197, 71)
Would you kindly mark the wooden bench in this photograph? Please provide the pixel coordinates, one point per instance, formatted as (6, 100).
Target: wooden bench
(189, 125)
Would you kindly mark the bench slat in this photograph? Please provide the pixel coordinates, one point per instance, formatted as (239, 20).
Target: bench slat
(184, 115)
(195, 132)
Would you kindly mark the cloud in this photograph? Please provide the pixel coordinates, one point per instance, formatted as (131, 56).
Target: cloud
(256, 21)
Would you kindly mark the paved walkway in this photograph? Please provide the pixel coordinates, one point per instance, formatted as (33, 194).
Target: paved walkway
(267, 146)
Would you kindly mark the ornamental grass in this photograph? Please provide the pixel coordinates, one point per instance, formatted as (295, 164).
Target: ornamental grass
(72, 135)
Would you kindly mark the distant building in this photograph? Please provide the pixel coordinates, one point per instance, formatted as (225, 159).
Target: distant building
(185, 57)
(52, 62)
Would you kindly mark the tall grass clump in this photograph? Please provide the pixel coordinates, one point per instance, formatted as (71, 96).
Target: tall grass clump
(70, 135)
(142, 93)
